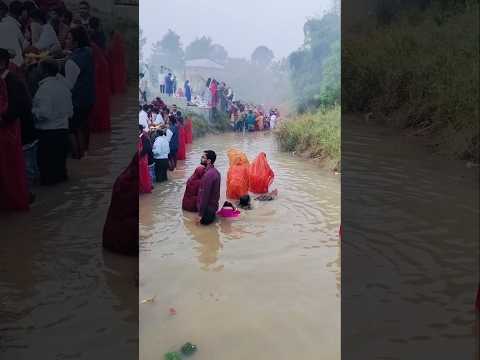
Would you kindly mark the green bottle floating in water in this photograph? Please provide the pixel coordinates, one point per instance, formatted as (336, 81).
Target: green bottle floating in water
(173, 356)
(188, 349)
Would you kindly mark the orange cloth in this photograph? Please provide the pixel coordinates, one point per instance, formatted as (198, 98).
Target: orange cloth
(237, 176)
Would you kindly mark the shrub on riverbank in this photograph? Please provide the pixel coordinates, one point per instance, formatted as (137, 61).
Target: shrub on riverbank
(315, 134)
(419, 73)
(201, 126)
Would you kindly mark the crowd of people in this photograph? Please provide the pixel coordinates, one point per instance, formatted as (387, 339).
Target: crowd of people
(253, 118)
(244, 117)
(57, 74)
(163, 135)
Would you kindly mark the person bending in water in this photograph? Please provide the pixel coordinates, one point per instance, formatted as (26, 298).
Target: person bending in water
(209, 192)
(245, 202)
(272, 195)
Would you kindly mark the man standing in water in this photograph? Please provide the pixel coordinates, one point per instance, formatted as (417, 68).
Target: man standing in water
(209, 192)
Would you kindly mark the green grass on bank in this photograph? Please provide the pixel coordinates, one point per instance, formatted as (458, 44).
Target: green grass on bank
(201, 126)
(419, 73)
(315, 134)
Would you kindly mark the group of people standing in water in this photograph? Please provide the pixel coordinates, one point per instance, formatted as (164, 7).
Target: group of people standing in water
(58, 72)
(163, 135)
(202, 191)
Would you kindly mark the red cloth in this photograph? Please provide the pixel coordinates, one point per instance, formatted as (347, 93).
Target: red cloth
(189, 202)
(260, 175)
(477, 303)
(214, 92)
(158, 103)
(3, 96)
(144, 180)
(340, 232)
(13, 182)
(182, 151)
(100, 115)
(120, 232)
(188, 131)
(118, 69)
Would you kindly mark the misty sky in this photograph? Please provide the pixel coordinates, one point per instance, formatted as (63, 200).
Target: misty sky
(239, 25)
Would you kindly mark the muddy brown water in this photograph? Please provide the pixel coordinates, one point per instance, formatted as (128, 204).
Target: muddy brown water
(264, 285)
(410, 255)
(62, 296)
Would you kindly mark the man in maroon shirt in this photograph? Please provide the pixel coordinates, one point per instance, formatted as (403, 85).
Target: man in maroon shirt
(209, 192)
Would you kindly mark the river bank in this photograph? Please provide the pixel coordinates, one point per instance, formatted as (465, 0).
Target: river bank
(313, 135)
(402, 75)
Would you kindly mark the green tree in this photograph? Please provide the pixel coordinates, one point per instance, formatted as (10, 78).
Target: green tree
(315, 67)
(169, 51)
(262, 56)
(200, 48)
(218, 54)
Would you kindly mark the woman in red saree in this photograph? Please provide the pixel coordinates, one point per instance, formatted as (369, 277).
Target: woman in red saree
(14, 193)
(214, 93)
(100, 115)
(120, 232)
(144, 180)
(189, 202)
(116, 58)
(182, 151)
(260, 174)
(188, 131)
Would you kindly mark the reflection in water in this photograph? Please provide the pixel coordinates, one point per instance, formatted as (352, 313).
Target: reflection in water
(58, 290)
(242, 284)
(208, 240)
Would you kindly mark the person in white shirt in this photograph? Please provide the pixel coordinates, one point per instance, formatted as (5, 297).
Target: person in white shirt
(161, 149)
(273, 121)
(143, 117)
(142, 86)
(157, 118)
(169, 134)
(48, 40)
(52, 109)
(11, 30)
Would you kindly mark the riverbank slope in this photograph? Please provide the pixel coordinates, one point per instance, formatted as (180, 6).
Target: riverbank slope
(313, 135)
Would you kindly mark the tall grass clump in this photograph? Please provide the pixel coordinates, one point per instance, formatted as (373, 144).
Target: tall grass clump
(420, 73)
(201, 126)
(315, 134)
